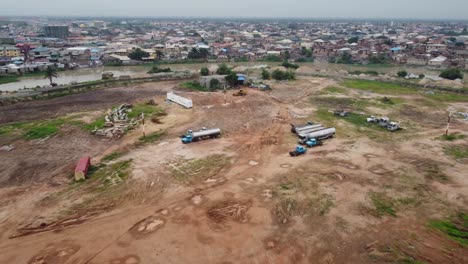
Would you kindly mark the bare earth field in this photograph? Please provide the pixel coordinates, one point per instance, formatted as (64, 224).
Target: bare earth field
(366, 196)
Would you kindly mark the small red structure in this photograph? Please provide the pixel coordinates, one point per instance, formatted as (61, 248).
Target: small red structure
(82, 168)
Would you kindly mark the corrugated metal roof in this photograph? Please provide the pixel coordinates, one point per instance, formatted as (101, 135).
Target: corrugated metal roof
(83, 164)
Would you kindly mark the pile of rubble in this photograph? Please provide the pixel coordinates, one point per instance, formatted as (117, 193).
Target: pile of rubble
(117, 122)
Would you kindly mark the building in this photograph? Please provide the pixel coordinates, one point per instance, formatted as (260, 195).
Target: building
(9, 51)
(56, 32)
(437, 62)
(435, 48)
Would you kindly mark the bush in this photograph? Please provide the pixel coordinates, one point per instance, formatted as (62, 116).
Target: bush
(231, 78)
(451, 74)
(281, 75)
(223, 69)
(273, 58)
(421, 76)
(204, 71)
(265, 74)
(402, 74)
(289, 65)
(215, 84)
(156, 69)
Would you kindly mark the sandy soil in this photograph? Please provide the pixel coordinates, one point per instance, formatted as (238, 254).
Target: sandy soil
(255, 205)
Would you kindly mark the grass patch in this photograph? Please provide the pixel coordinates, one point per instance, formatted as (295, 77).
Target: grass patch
(447, 97)
(383, 205)
(38, 129)
(8, 79)
(101, 177)
(193, 85)
(148, 110)
(341, 103)
(191, 171)
(451, 137)
(113, 156)
(379, 87)
(152, 137)
(334, 90)
(96, 124)
(455, 228)
(457, 152)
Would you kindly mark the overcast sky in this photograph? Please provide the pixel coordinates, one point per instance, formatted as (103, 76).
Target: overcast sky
(425, 9)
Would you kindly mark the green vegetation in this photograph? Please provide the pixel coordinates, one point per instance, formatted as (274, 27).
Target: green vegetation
(102, 177)
(452, 74)
(50, 73)
(231, 78)
(148, 110)
(289, 65)
(454, 228)
(191, 171)
(305, 60)
(379, 59)
(353, 40)
(8, 79)
(198, 54)
(379, 87)
(152, 137)
(383, 204)
(457, 152)
(223, 69)
(273, 58)
(193, 85)
(265, 74)
(204, 71)
(98, 123)
(37, 129)
(448, 97)
(334, 90)
(358, 72)
(451, 137)
(138, 54)
(113, 156)
(156, 69)
(402, 74)
(344, 58)
(283, 75)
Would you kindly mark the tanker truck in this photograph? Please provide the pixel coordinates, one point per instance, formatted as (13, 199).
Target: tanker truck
(318, 135)
(194, 136)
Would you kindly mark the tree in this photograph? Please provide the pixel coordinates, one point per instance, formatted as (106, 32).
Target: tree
(138, 54)
(204, 71)
(51, 72)
(197, 53)
(451, 74)
(353, 40)
(402, 74)
(345, 58)
(159, 55)
(286, 55)
(265, 74)
(223, 69)
(307, 52)
(278, 75)
(215, 84)
(288, 65)
(231, 78)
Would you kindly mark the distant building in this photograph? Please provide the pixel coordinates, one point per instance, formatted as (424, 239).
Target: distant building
(435, 48)
(7, 40)
(437, 62)
(9, 51)
(56, 32)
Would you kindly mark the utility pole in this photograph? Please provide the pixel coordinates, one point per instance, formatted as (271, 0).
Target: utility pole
(225, 95)
(448, 123)
(143, 124)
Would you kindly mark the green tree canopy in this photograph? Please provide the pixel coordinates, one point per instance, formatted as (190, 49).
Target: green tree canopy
(204, 71)
(451, 74)
(138, 54)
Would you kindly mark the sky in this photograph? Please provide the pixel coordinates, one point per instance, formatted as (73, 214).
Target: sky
(414, 9)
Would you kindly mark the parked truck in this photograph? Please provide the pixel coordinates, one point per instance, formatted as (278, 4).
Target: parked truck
(296, 129)
(313, 142)
(194, 136)
(299, 150)
(319, 135)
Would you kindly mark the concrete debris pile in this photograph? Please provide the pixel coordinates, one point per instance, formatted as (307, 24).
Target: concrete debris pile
(117, 122)
(464, 115)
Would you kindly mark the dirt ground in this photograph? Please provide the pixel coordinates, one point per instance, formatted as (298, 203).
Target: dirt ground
(365, 196)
